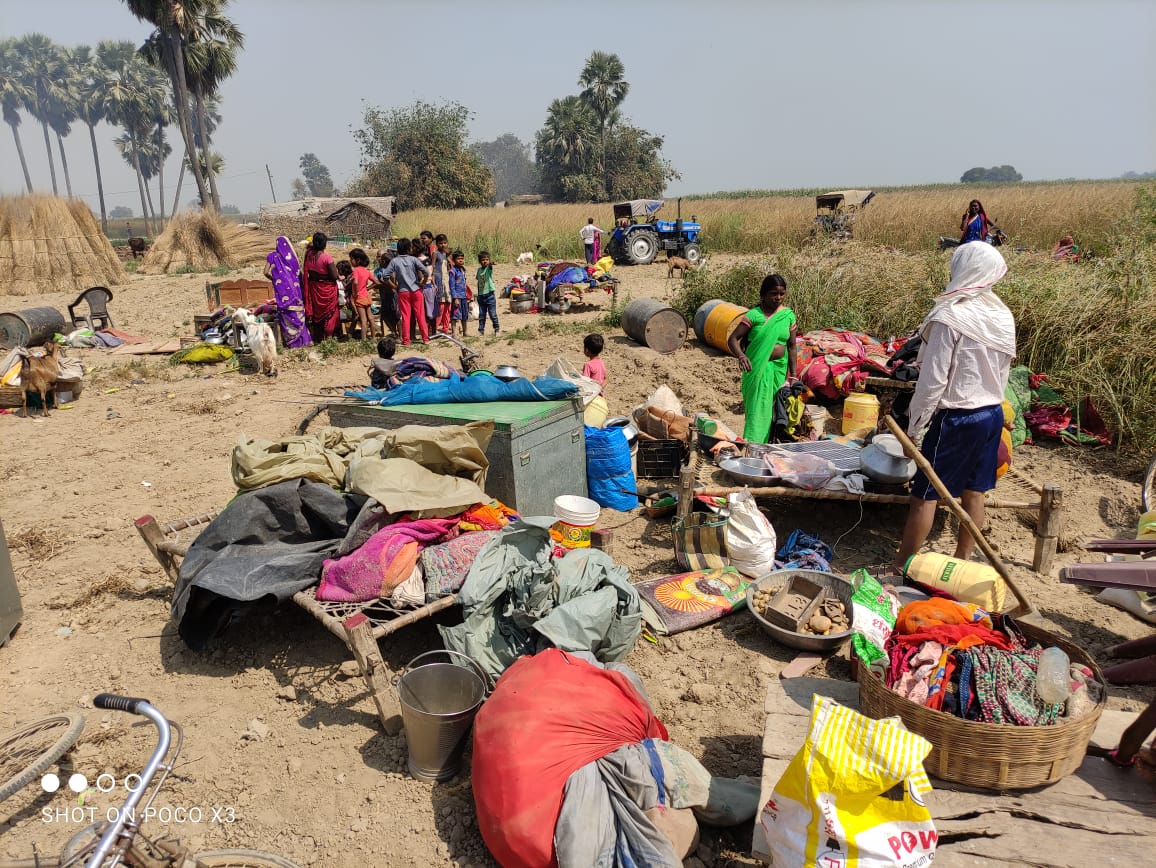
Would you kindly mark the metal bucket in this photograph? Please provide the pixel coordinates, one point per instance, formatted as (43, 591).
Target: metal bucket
(29, 327)
(654, 324)
(438, 704)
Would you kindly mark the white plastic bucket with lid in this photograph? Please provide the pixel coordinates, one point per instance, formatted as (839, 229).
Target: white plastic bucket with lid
(576, 516)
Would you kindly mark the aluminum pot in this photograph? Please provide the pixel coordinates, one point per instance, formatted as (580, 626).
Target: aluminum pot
(628, 428)
(507, 373)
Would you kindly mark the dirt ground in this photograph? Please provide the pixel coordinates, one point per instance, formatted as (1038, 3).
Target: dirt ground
(283, 748)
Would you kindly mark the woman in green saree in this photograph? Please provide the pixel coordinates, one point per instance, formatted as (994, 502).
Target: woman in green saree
(770, 356)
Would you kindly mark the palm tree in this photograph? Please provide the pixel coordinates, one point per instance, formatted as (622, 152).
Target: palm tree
(568, 135)
(12, 98)
(43, 70)
(63, 107)
(174, 20)
(207, 117)
(91, 109)
(604, 89)
(133, 90)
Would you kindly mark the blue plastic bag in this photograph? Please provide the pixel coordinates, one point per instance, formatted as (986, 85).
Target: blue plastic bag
(609, 474)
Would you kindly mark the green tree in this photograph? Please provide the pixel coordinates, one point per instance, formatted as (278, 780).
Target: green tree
(636, 168)
(297, 189)
(91, 109)
(566, 150)
(13, 97)
(317, 178)
(604, 87)
(44, 72)
(510, 162)
(996, 174)
(120, 212)
(419, 155)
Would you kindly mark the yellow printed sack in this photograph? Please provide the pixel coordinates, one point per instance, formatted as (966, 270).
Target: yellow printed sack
(853, 796)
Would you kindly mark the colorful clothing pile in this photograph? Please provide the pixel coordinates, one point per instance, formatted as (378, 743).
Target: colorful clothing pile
(835, 363)
(1044, 413)
(804, 551)
(957, 658)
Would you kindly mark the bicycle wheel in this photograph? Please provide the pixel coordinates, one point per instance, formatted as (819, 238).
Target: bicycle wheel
(28, 752)
(241, 859)
(1148, 489)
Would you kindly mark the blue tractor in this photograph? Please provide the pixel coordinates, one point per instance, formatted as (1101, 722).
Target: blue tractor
(638, 235)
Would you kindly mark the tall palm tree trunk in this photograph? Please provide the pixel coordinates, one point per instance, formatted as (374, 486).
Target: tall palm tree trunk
(64, 164)
(51, 163)
(177, 57)
(23, 162)
(160, 171)
(99, 180)
(144, 208)
(204, 131)
(180, 183)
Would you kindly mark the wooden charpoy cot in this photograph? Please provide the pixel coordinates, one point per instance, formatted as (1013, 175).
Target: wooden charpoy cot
(358, 625)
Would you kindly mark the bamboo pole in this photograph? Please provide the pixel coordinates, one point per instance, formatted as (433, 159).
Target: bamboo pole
(956, 507)
(825, 494)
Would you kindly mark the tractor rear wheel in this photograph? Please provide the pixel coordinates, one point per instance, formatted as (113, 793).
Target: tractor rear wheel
(692, 254)
(642, 247)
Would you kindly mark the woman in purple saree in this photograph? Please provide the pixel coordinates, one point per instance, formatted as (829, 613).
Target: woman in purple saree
(284, 270)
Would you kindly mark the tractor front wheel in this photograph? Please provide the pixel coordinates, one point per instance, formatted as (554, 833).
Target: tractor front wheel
(642, 247)
(692, 254)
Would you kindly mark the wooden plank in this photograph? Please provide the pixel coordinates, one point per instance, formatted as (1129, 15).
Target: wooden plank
(1048, 528)
(1135, 575)
(373, 668)
(149, 348)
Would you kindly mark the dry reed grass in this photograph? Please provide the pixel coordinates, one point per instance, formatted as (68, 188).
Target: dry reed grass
(199, 241)
(1033, 215)
(48, 244)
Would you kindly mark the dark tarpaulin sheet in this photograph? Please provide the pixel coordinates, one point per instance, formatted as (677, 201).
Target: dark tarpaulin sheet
(266, 544)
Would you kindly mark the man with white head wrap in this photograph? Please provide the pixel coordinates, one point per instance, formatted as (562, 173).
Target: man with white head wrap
(968, 345)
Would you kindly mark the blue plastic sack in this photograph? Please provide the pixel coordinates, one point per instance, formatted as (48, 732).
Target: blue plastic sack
(608, 469)
(570, 275)
(470, 390)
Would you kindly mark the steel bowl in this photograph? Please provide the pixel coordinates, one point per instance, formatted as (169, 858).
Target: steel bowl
(507, 373)
(758, 450)
(837, 585)
(749, 471)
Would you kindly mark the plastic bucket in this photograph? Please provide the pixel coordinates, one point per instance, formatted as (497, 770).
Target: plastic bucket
(715, 321)
(29, 327)
(654, 324)
(860, 410)
(438, 705)
(576, 518)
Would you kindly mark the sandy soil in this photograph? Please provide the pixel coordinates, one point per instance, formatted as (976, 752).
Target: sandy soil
(281, 740)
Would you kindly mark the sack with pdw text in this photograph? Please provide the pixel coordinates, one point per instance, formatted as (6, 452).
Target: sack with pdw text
(853, 797)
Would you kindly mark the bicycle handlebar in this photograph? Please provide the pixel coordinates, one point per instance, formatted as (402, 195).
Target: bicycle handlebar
(131, 704)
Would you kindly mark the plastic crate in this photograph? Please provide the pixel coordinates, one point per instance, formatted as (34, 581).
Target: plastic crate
(660, 459)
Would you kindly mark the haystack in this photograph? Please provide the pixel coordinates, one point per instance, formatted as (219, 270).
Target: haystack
(49, 244)
(198, 241)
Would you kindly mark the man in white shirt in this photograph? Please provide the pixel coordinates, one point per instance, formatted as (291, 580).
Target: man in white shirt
(589, 233)
(968, 345)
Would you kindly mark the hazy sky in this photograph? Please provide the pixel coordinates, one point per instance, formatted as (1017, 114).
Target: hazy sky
(747, 94)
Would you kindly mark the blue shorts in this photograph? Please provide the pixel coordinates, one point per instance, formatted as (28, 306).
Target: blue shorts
(963, 448)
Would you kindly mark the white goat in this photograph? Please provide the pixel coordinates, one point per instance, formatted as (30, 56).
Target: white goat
(261, 340)
(526, 258)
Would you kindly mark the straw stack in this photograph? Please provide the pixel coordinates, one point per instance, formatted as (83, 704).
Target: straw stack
(198, 241)
(48, 244)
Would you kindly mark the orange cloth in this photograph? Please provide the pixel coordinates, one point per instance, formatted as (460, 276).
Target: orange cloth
(923, 614)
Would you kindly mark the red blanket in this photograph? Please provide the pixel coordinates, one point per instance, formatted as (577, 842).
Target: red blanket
(549, 715)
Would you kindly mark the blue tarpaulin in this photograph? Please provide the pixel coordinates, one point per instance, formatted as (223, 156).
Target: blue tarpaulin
(573, 275)
(467, 391)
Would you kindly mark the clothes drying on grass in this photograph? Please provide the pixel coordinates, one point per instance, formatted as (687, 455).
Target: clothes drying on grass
(456, 390)
(1042, 412)
(519, 599)
(577, 783)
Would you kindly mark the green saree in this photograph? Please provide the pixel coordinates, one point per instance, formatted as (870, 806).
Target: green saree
(767, 375)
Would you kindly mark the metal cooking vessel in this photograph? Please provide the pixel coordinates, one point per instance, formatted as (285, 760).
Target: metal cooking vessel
(507, 373)
(627, 426)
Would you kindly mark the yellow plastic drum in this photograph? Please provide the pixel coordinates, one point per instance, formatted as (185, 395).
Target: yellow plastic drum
(716, 321)
(860, 410)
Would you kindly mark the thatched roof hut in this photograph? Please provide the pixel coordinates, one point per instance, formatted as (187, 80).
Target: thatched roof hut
(365, 219)
(199, 241)
(48, 244)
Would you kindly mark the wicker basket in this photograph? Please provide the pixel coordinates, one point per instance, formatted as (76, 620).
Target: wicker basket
(992, 756)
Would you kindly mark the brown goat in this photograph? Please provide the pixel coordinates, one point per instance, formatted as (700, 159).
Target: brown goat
(38, 373)
(137, 246)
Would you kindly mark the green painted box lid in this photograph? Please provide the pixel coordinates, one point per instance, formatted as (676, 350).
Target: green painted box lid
(508, 414)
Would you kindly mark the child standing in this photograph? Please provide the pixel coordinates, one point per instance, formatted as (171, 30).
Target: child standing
(344, 299)
(408, 274)
(487, 298)
(360, 287)
(441, 263)
(387, 295)
(594, 368)
(459, 291)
